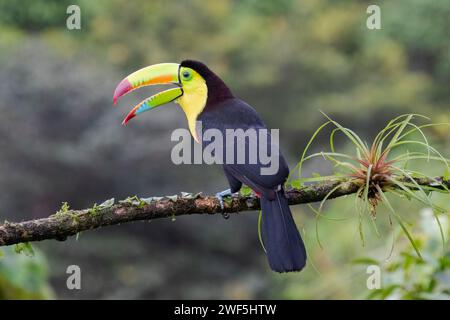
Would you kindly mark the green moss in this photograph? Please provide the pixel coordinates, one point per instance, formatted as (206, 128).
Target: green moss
(228, 200)
(25, 248)
(75, 219)
(135, 201)
(94, 211)
(65, 207)
(245, 191)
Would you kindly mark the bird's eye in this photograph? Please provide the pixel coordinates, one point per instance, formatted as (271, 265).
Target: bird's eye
(186, 75)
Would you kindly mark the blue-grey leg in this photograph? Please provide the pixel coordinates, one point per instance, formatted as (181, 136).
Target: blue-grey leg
(220, 196)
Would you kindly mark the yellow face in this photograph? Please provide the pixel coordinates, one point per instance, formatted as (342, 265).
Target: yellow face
(191, 94)
(193, 100)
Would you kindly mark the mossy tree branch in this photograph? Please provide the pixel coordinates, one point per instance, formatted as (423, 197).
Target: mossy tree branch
(69, 222)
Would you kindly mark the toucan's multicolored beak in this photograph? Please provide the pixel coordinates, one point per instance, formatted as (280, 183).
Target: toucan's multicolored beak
(163, 73)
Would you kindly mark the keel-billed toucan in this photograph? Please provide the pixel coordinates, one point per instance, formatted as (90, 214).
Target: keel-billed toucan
(204, 97)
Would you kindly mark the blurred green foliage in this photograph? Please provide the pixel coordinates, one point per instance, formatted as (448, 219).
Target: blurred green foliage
(309, 54)
(287, 58)
(23, 276)
(408, 277)
(32, 16)
(337, 270)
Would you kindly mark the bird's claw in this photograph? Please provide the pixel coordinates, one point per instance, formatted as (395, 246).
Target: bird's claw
(220, 196)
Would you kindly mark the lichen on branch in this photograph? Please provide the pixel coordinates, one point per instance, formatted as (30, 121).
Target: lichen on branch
(68, 222)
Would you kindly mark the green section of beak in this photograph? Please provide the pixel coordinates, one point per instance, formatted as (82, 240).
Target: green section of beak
(153, 102)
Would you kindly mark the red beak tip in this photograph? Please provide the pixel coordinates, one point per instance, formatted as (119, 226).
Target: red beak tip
(128, 118)
(122, 88)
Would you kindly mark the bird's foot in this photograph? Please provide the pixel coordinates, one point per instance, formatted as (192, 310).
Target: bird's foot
(220, 196)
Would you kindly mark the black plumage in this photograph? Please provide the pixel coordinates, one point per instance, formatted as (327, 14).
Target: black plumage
(281, 239)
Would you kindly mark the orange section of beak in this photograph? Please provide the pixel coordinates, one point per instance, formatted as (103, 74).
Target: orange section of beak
(125, 86)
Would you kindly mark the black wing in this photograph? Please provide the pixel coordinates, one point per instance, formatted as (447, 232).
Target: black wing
(252, 170)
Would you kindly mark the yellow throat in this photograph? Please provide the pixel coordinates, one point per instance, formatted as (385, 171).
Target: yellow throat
(193, 101)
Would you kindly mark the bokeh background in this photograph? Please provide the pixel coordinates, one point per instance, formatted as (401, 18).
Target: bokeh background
(61, 140)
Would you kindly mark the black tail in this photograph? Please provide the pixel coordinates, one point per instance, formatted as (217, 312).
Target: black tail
(284, 246)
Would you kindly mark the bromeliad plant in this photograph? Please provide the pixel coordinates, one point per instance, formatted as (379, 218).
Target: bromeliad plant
(381, 167)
